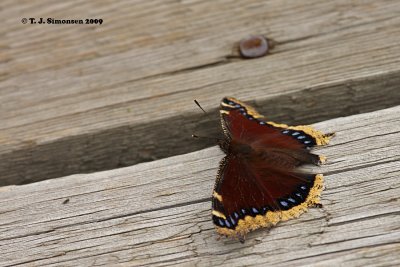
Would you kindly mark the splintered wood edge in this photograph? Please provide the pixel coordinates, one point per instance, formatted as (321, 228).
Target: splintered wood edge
(160, 211)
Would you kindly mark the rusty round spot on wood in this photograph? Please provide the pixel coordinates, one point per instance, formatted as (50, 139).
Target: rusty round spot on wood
(253, 46)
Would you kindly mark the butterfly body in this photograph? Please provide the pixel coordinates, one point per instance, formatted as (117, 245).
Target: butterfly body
(258, 183)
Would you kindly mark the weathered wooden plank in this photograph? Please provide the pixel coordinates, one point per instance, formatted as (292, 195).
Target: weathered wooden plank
(79, 98)
(158, 213)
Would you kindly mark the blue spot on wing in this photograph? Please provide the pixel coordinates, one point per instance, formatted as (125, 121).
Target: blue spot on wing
(284, 203)
(232, 220)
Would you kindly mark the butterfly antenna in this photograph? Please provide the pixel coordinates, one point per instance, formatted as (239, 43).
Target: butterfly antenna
(198, 104)
(217, 140)
(206, 137)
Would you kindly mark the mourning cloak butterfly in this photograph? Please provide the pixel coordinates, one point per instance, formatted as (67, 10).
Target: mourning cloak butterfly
(258, 183)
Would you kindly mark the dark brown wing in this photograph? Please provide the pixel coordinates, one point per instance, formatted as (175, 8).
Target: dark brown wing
(258, 184)
(248, 196)
(237, 118)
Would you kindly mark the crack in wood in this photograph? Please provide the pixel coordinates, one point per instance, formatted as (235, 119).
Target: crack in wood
(349, 221)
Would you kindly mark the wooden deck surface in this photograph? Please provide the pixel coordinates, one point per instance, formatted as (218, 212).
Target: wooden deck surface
(78, 99)
(82, 98)
(158, 213)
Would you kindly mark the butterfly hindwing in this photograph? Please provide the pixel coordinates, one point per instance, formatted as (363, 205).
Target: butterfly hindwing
(247, 196)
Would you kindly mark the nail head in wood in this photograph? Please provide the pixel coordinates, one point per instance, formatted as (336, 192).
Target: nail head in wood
(253, 46)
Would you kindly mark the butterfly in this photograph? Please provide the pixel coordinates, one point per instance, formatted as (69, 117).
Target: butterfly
(258, 182)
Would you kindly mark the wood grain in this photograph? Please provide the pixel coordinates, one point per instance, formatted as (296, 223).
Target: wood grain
(81, 98)
(158, 213)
